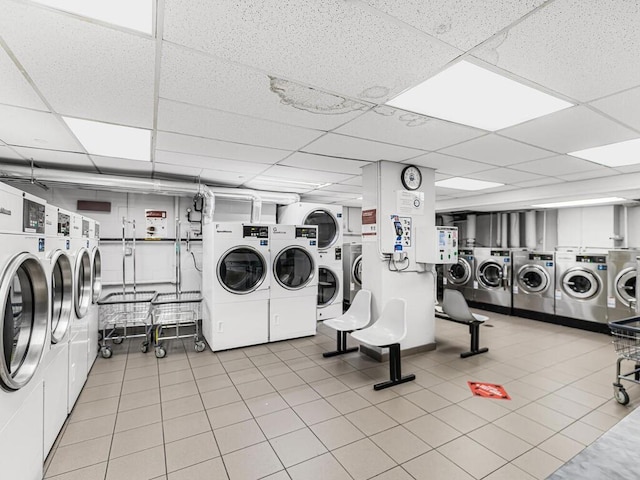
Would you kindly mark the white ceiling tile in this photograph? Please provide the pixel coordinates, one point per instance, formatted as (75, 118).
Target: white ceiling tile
(570, 130)
(178, 170)
(496, 150)
(83, 69)
(327, 164)
(624, 107)
(629, 168)
(357, 180)
(601, 172)
(448, 164)
(183, 159)
(559, 165)
(121, 165)
(358, 148)
(275, 184)
(395, 126)
(539, 182)
(14, 88)
(334, 45)
(196, 78)
(175, 142)
(182, 118)
(337, 195)
(7, 153)
(29, 128)
(305, 175)
(216, 177)
(505, 175)
(583, 49)
(47, 158)
(462, 24)
(322, 199)
(338, 187)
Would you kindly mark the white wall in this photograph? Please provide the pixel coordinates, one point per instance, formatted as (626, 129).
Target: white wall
(589, 227)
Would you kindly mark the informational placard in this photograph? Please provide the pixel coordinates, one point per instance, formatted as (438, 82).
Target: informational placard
(409, 203)
(488, 390)
(369, 225)
(156, 224)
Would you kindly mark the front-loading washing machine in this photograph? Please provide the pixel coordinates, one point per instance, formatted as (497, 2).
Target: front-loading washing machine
(462, 275)
(351, 271)
(534, 282)
(493, 278)
(294, 286)
(622, 273)
(235, 284)
(24, 332)
(581, 286)
(96, 291)
(329, 301)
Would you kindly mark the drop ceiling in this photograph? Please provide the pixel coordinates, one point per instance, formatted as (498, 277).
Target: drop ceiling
(290, 96)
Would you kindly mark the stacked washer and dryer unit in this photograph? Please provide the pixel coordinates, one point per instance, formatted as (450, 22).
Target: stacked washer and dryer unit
(351, 271)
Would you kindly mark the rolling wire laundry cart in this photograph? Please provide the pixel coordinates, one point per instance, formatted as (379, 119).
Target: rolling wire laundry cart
(171, 311)
(126, 314)
(626, 340)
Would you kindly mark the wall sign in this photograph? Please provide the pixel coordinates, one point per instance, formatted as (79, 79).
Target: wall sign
(409, 203)
(369, 225)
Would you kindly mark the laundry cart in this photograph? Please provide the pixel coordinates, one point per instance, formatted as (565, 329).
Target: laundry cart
(173, 311)
(626, 340)
(125, 315)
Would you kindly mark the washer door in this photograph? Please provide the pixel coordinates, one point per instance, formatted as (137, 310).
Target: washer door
(490, 274)
(580, 284)
(459, 273)
(241, 270)
(533, 279)
(356, 271)
(328, 286)
(24, 294)
(328, 227)
(96, 275)
(294, 268)
(626, 286)
(83, 283)
(61, 295)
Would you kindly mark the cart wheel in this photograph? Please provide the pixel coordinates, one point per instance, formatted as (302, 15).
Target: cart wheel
(160, 352)
(144, 347)
(106, 352)
(622, 397)
(200, 346)
(117, 340)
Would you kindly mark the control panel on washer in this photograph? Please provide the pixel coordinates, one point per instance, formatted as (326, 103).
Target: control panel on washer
(591, 259)
(255, 231)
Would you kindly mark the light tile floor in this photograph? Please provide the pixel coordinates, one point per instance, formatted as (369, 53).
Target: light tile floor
(282, 411)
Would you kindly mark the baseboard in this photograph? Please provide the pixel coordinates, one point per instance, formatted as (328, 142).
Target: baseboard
(564, 321)
(490, 308)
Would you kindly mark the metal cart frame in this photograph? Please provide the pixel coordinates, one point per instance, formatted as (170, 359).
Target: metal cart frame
(175, 310)
(626, 340)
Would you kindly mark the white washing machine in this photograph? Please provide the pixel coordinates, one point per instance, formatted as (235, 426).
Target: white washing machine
(56, 360)
(329, 301)
(96, 291)
(294, 286)
(24, 333)
(236, 278)
(351, 271)
(78, 336)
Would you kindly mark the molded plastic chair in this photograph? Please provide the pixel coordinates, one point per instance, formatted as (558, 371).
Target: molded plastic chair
(455, 306)
(357, 317)
(387, 332)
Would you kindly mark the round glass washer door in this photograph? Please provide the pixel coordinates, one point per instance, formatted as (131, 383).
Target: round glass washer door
(61, 295)
(356, 271)
(83, 283)
(459, 273)
(241, 270)
(490, 274)
(626, 286)
(96, 275)
(580, 284)
(328, 227)
(294, 268)
(533, 279)
(24, 309)
(327, 286)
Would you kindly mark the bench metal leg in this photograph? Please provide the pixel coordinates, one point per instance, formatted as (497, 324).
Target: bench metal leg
(474, 330)
(395, 370)
(341, 346)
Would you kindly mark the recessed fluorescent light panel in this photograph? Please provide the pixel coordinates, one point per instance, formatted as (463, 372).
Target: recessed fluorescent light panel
(467, 94)
(613, 155)
(111, 140)
(133, 14)
(581, 203)
(461, 183)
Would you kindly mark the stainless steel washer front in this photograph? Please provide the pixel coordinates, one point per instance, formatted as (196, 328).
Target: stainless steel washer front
(580, 284)
(533, 279)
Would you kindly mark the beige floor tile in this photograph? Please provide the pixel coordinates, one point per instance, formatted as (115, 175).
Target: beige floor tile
(313, 374)
(212, 370)
(138, 418)
(580, 396)
(235, 365)
(220, 397)
(179, 390)
(433, 465)
(181, 406)
(537, 463)
(487, 408)
(296, 447)
(509, 472)
(245, 376)
(497, 440)
(355, 379)
(561, 447)
(427, 400)
(545, 416)
(281, 475)
(208, 470)
(375, 397)
(139, 399)
(173, 364)
(252, 463)
(99, 408)
(79, 455)
(432, 430)
(400, 444)
(337, 432)
(600, 420)
(230, 355)
(472, 457)
(91, 394)
(286, 380)
(316, 411)
(289, 354)
(94, 472)
(280, 422)
(524, 428)
(97, 380)
(265, 359)
(274, 369)
(190, 451)
(348, 402)
(147, 464)
(255, 388)
(451, 391)
(215, 382)
(228, 414)
(186, 426)
(397, 473)
(141, 372)
(401, 410)
(299, 395)
(581, 432)
(371, 420)
(338, 368)
(136, 440)
(564, 405)
(238, 436)
(459, 418)
(140, 385)
(363, 459)
(206, 358)
(180, 376)
(266, 404)
(327, 464)
(88, 429)
(329, 387)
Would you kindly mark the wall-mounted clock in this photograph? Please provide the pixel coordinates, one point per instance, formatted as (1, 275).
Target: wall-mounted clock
(411, 177)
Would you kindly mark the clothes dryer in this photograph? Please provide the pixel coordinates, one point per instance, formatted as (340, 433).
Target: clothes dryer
(351, 271)
(235, 284)
(493, 277)
(24, 332)
(534, 281)
(622, 273)
(96, 291)
(581, 286)
(330, 296)
(462, 275)
(294, 285)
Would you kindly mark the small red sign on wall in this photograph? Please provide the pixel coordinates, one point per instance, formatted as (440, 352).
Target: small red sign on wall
(488, 390)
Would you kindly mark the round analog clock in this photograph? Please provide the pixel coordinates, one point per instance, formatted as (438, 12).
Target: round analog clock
(411, 177)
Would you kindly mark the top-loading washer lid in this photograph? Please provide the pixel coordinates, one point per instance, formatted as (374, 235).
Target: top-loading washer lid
(581, 284)
(626, 286)
(490, 274)
(356, 271)
(459, 273)
(533, 279)
(328, 227)
(328, 286)
(241, 270)
(293, 268)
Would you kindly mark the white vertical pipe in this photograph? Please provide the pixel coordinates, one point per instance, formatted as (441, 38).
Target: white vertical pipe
(498, 230)
(514, 230)
(531, 237)
(505, 230)
(471, 229)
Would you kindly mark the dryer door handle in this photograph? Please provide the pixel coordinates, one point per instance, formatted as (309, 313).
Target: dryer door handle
(506, 277)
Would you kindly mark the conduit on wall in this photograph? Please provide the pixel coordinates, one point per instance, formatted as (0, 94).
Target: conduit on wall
(514, 230)
(531, 237)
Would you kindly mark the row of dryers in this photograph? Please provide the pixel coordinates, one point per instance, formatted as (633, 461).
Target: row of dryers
(588, 286)
(49, 283)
